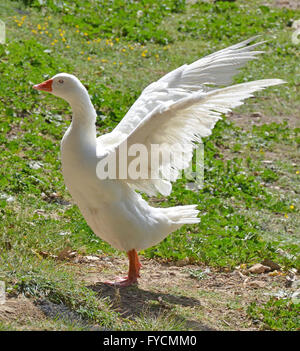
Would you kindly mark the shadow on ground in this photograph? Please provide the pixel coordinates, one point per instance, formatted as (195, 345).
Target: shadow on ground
(132, 301)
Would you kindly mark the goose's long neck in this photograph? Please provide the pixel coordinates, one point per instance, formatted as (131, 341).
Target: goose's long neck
(84, 116)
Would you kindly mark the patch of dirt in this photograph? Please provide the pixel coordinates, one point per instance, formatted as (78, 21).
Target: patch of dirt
(290, 4)
(29, 314)
(218, 301)
(246, 121)
(21, 310)
(202, 298)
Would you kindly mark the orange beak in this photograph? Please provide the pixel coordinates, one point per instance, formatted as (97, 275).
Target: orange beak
(45, 86)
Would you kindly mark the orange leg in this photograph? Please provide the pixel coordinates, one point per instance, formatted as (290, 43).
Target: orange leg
(133, 272)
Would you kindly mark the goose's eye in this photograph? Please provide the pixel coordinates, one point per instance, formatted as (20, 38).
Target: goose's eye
(61, 81)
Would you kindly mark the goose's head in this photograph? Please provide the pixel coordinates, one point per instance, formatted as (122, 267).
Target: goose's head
(63, 85)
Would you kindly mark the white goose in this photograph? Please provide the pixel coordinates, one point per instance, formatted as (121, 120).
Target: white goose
(180, 108)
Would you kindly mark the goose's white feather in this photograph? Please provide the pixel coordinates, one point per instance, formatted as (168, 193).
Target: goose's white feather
(178, 126)
(215, 69)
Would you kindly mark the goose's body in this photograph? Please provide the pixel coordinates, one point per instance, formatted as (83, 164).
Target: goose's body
(114, 211)
(179, 109)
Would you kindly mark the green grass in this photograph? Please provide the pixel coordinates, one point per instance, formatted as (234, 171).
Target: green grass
(276, 314)
(116, 54)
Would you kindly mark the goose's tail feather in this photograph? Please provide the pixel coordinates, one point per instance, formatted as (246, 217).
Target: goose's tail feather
(180, 215)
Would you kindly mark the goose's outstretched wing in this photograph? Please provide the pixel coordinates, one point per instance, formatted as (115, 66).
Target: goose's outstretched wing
(215, 69)
(176, 126)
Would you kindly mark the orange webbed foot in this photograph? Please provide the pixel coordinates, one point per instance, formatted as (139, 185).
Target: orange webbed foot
(133, 273)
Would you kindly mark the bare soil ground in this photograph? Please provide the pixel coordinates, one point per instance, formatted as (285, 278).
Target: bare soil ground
(290, 4)
(20, 310)
(216, 301)
(246, 121)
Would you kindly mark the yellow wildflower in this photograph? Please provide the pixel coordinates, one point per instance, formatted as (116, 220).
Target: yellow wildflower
(292, 207)
(144, 53)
